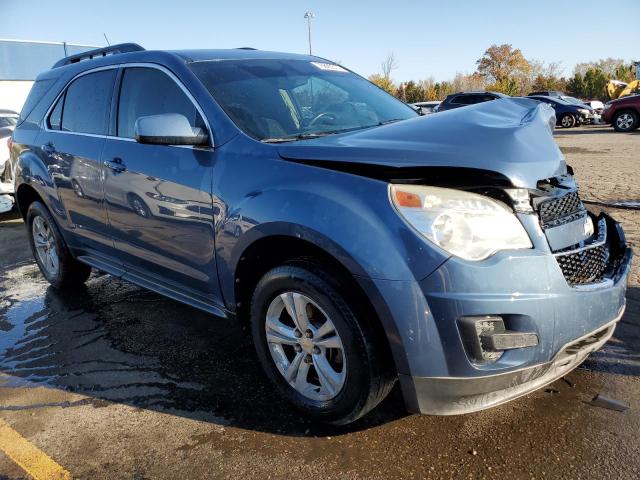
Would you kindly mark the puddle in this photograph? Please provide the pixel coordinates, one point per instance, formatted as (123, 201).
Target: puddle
(113, 341)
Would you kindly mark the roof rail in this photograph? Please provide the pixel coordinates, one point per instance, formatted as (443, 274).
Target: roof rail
(246, 48)
(99, 52)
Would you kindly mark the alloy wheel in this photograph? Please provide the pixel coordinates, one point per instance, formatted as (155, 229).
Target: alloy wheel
(45, 245)
(305, 346)
(624, 121)
(567, 121)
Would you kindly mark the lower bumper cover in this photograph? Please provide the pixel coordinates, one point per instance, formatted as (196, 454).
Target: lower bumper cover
(453, 396)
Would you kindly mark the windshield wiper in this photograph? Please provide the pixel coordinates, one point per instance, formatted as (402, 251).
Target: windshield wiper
(293, 138)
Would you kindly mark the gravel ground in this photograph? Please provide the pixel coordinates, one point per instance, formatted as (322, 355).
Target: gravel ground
(116, 382)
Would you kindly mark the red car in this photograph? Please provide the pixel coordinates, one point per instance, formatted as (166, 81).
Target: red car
(623, 113)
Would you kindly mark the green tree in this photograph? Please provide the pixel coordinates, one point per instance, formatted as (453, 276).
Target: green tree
(595, 82)
(576, 85)
(413, 92)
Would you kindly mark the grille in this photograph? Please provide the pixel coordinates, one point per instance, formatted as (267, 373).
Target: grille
(584, 266)
(551, 211)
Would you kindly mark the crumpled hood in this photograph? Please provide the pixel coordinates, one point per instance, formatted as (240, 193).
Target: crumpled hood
(511, 136)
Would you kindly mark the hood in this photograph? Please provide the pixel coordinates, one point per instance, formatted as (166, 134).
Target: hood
(511, 137)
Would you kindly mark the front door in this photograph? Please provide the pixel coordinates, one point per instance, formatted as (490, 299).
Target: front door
(159, 204)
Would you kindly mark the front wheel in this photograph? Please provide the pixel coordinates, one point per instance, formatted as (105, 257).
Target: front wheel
(568, 121)
(322, 358)
(51, 253)
(625, 121)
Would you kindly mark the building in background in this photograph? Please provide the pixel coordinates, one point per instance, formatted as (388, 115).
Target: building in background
(20, 63)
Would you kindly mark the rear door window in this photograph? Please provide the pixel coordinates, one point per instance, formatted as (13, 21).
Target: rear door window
(85, 104)
(149, 91)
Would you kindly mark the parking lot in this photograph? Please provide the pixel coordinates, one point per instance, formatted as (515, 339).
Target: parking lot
(116, 382)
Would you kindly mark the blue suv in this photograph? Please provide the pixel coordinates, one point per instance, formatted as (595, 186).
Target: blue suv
(359, 242)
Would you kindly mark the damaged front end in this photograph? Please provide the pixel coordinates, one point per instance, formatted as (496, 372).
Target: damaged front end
(589, 249)
(509, 319)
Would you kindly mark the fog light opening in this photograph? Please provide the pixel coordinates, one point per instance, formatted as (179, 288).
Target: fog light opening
(486, 338)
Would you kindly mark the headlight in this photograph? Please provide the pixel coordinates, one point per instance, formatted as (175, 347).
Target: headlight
(467, 225)
(607, 106)
(583, 111)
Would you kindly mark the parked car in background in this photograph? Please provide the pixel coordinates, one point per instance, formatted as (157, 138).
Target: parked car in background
(597, 106)
(568, 115)
(463, 99)
(546, 93)
(591, 117)
(426, 108)
(623, 114)
(8, 120)
(360, 243)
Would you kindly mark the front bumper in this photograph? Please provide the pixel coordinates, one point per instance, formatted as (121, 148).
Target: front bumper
(455, 395)
(526, 288)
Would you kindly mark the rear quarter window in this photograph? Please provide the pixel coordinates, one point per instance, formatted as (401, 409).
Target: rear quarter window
(38, 90)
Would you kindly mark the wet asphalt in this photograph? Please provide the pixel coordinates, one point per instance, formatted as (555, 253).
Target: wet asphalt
(113, 381)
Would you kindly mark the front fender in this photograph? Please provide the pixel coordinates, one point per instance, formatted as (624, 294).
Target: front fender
(348, 216)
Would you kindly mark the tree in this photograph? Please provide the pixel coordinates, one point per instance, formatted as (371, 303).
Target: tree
(384, 83)
(501, 63)
(608, 66)
(413, 92)
(595, 84)
(591, 85)
(389, 65)
(468, 82)
(383, 80)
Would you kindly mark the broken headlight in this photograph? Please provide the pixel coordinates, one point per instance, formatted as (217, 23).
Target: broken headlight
(467, 225)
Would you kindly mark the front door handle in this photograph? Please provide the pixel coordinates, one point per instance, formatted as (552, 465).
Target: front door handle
(116, 165)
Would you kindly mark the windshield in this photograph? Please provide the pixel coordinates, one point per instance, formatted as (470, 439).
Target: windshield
(283, 100)
(573, 100)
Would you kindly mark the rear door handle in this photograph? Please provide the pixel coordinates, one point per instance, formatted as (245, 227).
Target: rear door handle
(48, 148)
(116, 165)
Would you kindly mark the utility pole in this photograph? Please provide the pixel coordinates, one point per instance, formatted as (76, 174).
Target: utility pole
(309, 16)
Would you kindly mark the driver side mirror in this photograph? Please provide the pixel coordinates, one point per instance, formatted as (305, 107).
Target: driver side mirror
(168, 129)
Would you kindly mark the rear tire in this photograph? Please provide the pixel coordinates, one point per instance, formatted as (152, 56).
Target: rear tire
(50, 251)
(359, 378)
(568, 120)
(625, 121)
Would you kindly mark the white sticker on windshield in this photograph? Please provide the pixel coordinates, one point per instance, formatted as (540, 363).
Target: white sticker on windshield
(330, 67)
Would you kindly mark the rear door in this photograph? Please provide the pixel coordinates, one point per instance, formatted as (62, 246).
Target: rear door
(158, 197)
(71, 142)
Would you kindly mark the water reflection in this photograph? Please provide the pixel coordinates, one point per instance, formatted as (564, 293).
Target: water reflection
(114, 341)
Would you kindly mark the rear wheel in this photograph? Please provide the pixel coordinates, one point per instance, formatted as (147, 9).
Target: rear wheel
(567, 121)
(625, 121)
(322, 358)
(50, 252)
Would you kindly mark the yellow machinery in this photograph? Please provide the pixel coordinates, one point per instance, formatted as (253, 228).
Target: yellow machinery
(617, 89)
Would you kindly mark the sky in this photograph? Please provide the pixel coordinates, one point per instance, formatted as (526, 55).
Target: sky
(428, 38)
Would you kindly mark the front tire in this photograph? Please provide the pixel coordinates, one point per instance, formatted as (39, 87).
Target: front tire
(322, 358)
(625, 121)
(50, 252)
(568, 121)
